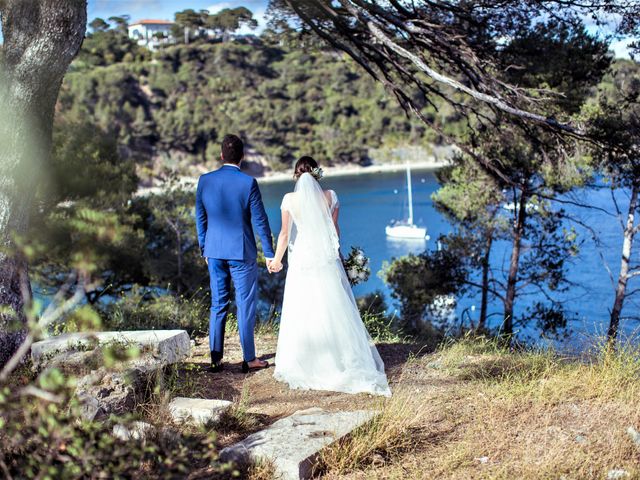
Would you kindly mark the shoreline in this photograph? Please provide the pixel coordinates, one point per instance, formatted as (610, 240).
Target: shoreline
(189, 183)
(345, 171)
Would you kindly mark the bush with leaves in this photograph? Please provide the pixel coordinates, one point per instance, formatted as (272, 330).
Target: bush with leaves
(142, 309)
(42, 436)
(416, 281)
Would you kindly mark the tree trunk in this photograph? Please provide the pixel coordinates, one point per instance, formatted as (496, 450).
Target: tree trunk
(41, 37)
(485, 285)
(510, 296)
(623, 277)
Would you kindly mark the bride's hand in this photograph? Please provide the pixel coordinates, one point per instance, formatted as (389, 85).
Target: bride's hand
(275, 266)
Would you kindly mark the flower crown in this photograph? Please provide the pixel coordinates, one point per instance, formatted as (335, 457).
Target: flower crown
(317, 173)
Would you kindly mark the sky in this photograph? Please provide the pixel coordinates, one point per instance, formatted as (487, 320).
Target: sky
(165, 9)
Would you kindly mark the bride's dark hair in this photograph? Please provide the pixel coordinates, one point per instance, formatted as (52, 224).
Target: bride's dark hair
(305, 164)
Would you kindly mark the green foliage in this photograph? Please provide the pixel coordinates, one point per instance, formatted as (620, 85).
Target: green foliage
(229, 20)
(556, 57)
(417, 280)
(87, 166)
(373, 303)
(613, 118)
(44, 438)
(381, 327)
(522, 164)
(190, 20)
(144, 310)
(237, 418)
(104, 243)
(104, 45)
(82, 319)
(172, 112)
(468, 194)
(172, 257)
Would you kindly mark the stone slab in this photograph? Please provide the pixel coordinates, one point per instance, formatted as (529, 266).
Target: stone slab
(197, 410)
(293, 443)
(168, 346)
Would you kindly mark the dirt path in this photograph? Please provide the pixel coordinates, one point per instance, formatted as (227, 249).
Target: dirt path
(266, 396)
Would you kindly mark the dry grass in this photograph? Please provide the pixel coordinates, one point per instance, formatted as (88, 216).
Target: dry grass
(392, 432)
(237, 422)
(477, 410)
(262, 470)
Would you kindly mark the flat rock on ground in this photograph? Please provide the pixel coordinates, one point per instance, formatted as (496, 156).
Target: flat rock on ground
(293, 443)
(168, 346)
(197, 410)
(104, 391)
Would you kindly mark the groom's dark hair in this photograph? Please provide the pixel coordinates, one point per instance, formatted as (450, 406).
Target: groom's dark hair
(232, 149)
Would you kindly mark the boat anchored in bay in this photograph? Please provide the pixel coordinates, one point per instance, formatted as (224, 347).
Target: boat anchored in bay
(406, 229)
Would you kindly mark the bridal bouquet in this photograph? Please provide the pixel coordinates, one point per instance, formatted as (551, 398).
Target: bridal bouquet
(356, 265)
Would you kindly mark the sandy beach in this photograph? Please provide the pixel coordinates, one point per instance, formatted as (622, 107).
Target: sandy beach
(341, 171)
(189, 183)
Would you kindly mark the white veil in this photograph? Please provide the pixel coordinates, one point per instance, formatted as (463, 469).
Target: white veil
(312, 233)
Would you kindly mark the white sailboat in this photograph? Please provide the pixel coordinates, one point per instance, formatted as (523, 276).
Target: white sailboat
(407, 229)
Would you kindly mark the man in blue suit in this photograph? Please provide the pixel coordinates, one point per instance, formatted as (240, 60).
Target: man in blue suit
(227, 203)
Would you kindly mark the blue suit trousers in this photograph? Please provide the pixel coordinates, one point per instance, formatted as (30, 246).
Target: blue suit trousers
(244, 275)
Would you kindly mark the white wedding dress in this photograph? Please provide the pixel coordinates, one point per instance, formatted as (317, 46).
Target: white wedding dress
(323, 344)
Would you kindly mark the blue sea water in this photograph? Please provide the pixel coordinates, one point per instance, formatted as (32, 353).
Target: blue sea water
(369, 202)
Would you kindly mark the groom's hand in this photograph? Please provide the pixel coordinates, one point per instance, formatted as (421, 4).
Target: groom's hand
(275, 267)
(269, 261)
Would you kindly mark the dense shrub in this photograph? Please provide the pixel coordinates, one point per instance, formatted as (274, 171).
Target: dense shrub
(43, 437)
(142, 310)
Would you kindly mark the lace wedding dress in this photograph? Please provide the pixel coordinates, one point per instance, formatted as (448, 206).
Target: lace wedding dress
(323, 344)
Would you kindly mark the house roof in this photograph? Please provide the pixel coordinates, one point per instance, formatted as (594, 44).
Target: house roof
(152, 22)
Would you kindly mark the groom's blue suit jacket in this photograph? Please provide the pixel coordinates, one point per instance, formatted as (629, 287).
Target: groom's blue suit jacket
(227, 202)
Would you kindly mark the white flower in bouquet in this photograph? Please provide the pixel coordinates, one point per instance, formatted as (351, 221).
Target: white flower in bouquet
(356, 266)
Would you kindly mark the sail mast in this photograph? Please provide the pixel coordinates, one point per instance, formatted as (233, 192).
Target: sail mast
(410, 194)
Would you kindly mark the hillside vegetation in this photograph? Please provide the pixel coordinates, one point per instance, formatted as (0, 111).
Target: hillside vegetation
(170, 110)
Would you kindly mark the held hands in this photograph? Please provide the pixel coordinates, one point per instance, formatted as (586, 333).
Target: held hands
(274, 266)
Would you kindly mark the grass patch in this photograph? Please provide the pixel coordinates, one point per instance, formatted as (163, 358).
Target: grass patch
(181, 380)
(265, 327)
(476, 409)
(261, 470)
(392, 432)
(605, 374)
(382, 328)
(237, 420)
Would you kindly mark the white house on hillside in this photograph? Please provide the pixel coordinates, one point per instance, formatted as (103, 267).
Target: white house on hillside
(151, 33)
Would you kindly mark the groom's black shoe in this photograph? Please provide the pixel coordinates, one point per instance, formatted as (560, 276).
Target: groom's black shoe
(246, 368)
(216, 362)
(216, 367)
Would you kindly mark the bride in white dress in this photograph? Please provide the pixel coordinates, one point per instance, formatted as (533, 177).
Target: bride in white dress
(323, 344)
